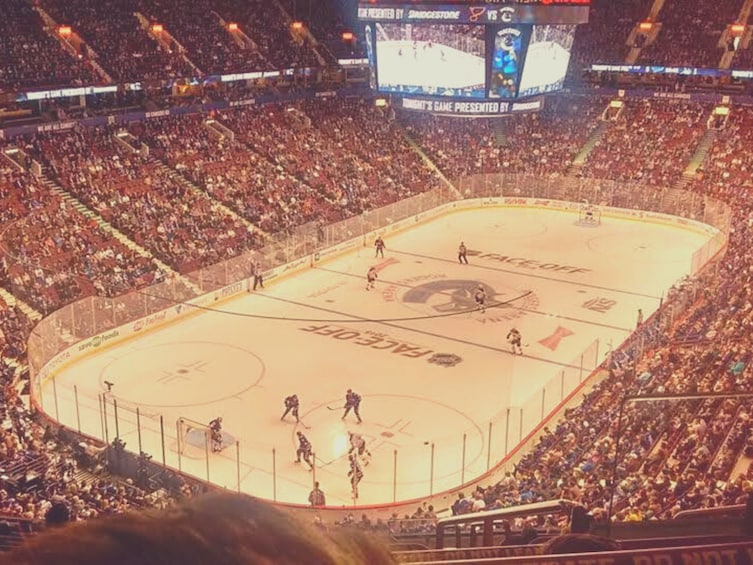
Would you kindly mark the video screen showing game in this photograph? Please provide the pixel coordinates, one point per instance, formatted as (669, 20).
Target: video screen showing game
(431, 59)
(506, 62)
(547, 59)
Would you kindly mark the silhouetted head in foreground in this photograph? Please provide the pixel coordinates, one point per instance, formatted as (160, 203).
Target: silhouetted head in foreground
(217, 529)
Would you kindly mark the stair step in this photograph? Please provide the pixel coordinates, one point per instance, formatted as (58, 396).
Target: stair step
(598, 133)
(12, 300)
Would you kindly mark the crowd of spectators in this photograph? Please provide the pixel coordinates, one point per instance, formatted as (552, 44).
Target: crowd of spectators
(270, 196)
(543, 143)
(117, 39)
(31, 57)
(209, 44)
(604, 39)
(394, 170)
(328, 20)
(690, 33)
(650, 142)
(353, 156)
(52, 254)
(144, 199)
(270, 28)
(726, 171)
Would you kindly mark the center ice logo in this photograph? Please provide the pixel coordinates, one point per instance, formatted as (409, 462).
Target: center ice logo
(448, 295)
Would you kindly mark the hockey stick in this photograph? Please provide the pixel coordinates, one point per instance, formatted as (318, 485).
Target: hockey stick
(333, 409)
(304, 425)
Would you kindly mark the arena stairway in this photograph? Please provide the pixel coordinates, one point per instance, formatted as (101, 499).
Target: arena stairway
(166, 41)
(729, 56)
(697, 159)
(580, 158)
(429, 163)
(183, 181)
(306, 37)
(11, 300)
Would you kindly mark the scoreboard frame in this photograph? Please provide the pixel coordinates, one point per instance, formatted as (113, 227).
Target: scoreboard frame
(475, 13)
(510, 30)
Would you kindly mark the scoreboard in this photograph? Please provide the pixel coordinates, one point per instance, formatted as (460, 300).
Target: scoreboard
(470, 51)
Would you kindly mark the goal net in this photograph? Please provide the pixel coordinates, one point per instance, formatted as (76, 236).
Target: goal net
(193, 437)
(589, 216)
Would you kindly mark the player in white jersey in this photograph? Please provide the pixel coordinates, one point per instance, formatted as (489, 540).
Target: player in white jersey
(358, 446)
(355, 473)
(371, 278)
(480, 298)
(513, 338)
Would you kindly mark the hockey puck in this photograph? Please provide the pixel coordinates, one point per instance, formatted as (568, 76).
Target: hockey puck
(426, 443)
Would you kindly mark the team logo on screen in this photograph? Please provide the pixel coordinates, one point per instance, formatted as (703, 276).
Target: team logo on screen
(476, 13)
(507, 14)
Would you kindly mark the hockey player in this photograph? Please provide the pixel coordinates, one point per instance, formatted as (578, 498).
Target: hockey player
(513, 338)
(379, 246)
(304, 450)
(371, 278)
(355, 474)
(358, 446)
(291, 406)
(588, 212)
(462, 253)
(352, 402)
(258, 276)
(480, 298)
(215, 429)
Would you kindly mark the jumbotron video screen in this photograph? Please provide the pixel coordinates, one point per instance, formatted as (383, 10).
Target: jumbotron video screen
(505, 50)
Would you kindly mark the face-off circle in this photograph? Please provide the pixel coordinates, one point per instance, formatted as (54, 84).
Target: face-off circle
(182, 374)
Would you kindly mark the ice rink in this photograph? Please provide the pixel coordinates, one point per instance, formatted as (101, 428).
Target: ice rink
(432, 371)
(428, 67)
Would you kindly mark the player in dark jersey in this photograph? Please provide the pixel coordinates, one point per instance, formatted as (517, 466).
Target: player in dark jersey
(291, 406)
(371, 278)
(215, 429)
(352, 402)
(379, 246)
(513, 338)
(355, 474)
(462, 253)
(304, 450)
(480, 298)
